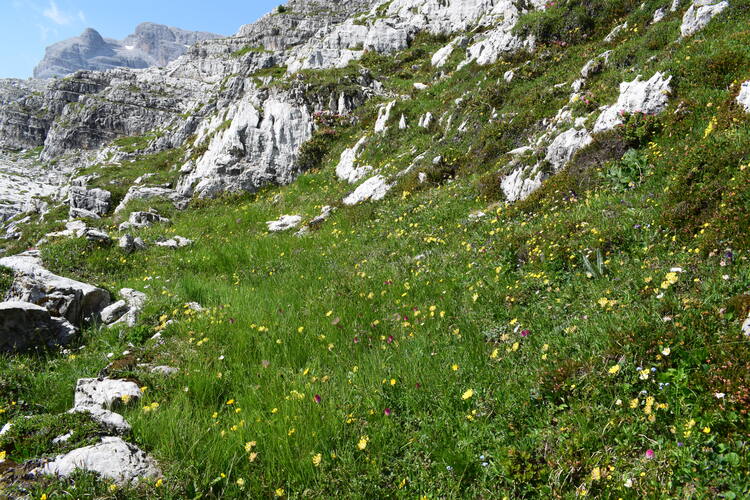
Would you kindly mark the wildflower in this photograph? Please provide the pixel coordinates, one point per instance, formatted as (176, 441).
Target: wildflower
(159, 483)
(706, 430)
(468, 394)
(649, 453)
(719, 395)
(387, 412)
(240, 482)
(316, 459)
(643, 374)
(614, 369)
(525, 333)
(362, 444)
(279, 492)
(3, 454)
(249, 446)
(317, 398)
(393, 381)
(454, 367)
(596, 474)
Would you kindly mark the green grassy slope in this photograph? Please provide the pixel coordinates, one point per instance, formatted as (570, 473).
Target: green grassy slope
(408, 350)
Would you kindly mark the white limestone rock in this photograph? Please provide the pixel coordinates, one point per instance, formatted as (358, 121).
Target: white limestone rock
(565, 145)
(441, 57)
(345, 170)
(260, 147)
(595, 65)
(139, 220)
(373, 189)
(699, 14)
(659, 15)
(649, 97)
(145, 193)
(93, 200)
(425, 120)
(25, 326)
(743, 99)
(520, 183)
(113, 459)
(384, 114)
(104, 393)
(284, 223)
(615, 32)
(136, 300)
(129, 244)
(174, 243)
(62, 297)
(113, 312)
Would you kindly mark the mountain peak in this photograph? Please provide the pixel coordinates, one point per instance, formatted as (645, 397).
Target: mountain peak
(150, 45)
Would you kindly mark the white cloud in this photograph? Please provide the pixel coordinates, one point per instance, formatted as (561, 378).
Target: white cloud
(56, 15)
(82, 16)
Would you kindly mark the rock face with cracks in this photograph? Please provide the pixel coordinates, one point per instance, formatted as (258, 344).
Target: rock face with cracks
(25, 326)
(649, 97)
(62, 297)
(113, 459)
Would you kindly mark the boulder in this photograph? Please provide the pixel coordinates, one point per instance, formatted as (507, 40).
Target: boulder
(130, 244)
(97, 236)
(104, 393)
(374, 189)
(648, 97)
(113, 459)
(96, 201)
(284, 223)
(699, 14)
(520, 183)
(345, 170)
(62, 297)
(175, 242)
(113, 312)
(565, 145)
(743, 99)
(146, 193)
(139, 220)
(25, 326)
(384, 114)
(135, 301)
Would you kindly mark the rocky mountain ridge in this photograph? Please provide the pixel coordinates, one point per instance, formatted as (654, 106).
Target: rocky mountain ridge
(377, 101)
(150, 45)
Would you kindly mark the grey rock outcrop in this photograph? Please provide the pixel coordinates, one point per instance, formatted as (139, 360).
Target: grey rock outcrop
(743, 99)
(112, 459)
(565, 145)
(129, 244)
(62, 297)
(92, 200)
(175, 242)
(139, 220)
(284, 223)
(373, 189)
(648, 97)
(150, 45)
(699, 14)
(25, 326)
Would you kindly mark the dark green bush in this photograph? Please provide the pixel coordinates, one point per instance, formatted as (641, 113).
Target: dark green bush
(313, 151)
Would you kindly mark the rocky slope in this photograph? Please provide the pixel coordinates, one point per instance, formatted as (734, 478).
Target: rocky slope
(480, 193)
(150, 45)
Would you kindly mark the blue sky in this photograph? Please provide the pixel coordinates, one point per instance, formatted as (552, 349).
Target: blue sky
(28, 26)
